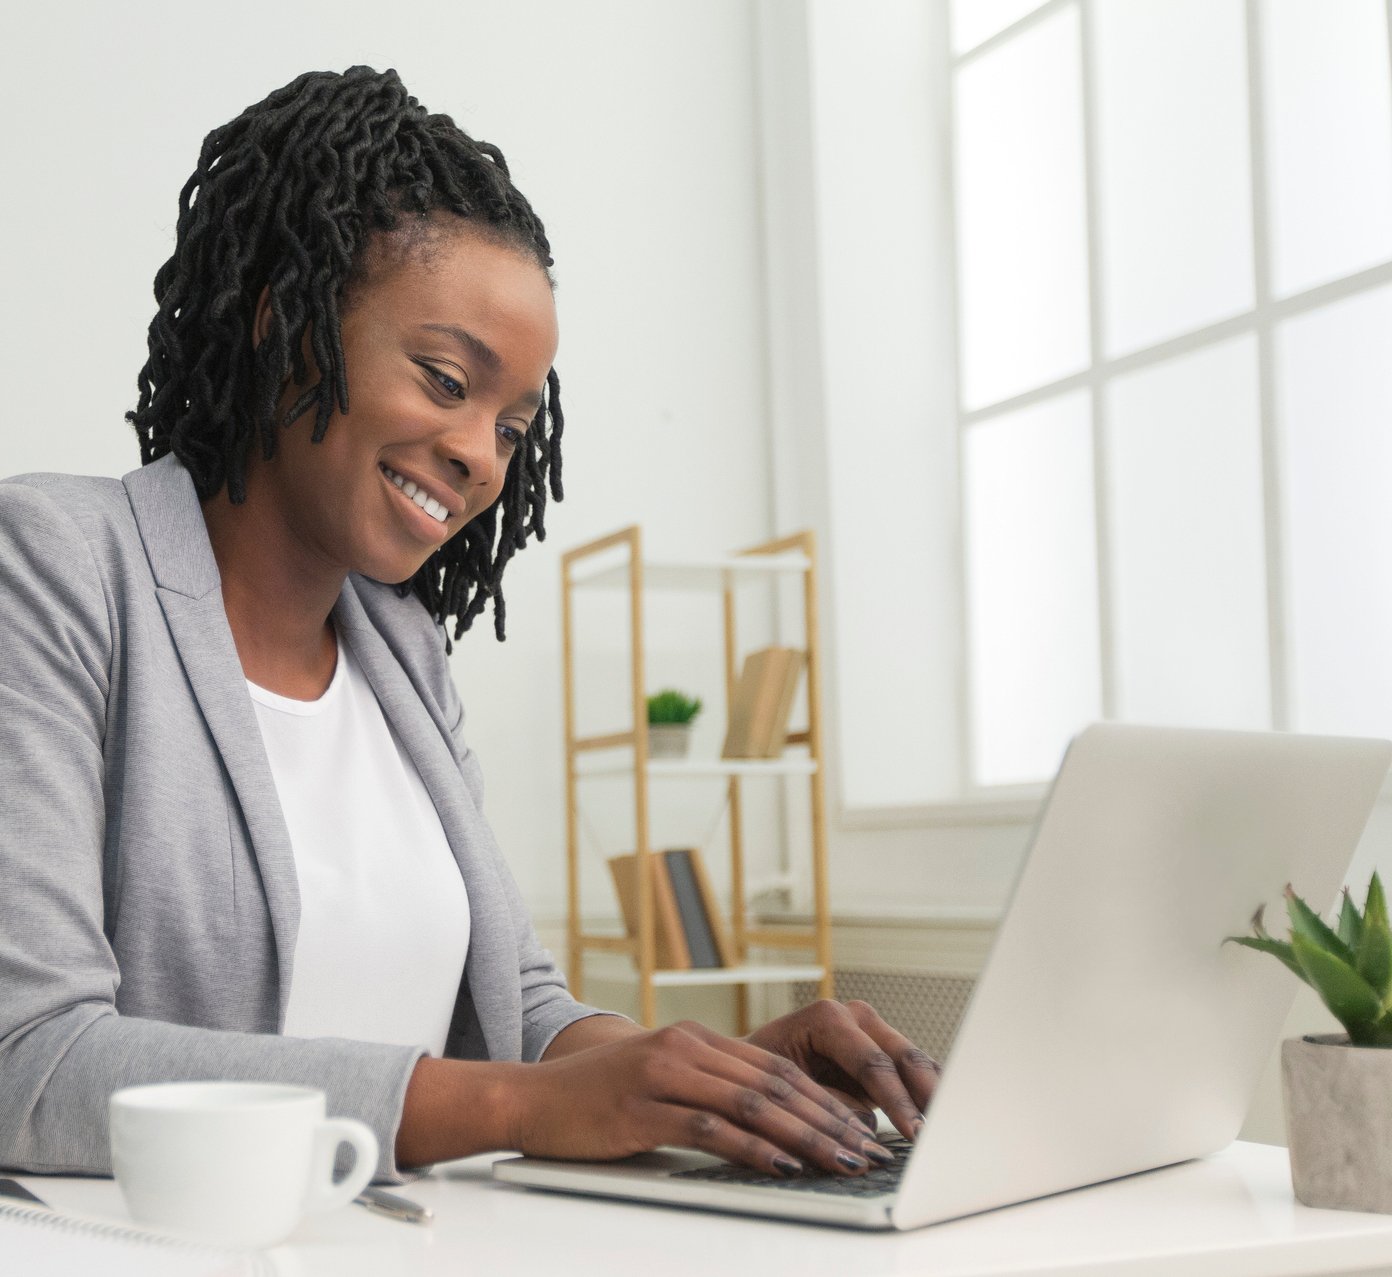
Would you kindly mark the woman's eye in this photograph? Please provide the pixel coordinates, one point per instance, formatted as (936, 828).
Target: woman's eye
(512, 436)
(450, 385)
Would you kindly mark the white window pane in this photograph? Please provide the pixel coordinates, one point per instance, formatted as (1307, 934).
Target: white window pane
(1031, 587)
(976, 20)
(1187, 561)
(1329, 138)
(1334, 399)
(1174, 175)
(1022, 277)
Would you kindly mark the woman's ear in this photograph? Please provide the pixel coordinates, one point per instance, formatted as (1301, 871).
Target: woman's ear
(261, 321)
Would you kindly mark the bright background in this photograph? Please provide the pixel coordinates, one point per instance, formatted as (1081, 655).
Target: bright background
(1064, 324)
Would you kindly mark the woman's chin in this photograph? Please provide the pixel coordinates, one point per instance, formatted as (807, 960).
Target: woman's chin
(390, 569)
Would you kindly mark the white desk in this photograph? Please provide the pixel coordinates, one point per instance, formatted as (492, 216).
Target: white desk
(1232, 1215)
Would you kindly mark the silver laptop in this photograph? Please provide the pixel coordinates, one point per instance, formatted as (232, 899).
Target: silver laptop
(1111, 1030)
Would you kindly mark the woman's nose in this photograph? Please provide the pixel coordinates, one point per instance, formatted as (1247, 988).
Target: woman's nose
(471, 448)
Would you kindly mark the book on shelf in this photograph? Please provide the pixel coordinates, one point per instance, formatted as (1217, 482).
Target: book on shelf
(762, 701)
(688, 929)
(670, 948)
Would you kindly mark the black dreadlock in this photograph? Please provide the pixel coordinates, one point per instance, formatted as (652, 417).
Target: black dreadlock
(288, 195)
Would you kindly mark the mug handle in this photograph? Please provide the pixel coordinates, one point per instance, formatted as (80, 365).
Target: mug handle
(323, 1193)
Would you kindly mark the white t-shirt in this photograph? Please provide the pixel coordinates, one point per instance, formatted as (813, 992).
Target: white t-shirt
(384, 915)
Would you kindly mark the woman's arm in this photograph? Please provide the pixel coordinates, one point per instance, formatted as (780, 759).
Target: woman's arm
(63, 1045)
(614, 1090)
(593, 1030)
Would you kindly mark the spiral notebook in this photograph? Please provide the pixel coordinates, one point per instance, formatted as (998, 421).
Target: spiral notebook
(40, 1242)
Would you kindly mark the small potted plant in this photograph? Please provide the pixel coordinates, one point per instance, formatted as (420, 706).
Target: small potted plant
(1338, 1087)
(670, 715)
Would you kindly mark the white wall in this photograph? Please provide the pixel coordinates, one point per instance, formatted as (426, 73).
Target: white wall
(669, 149)
(628, 125)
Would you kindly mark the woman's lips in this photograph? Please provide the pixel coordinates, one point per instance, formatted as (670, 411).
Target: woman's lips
(423, 525)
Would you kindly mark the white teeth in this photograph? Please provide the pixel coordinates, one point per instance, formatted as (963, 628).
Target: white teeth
(432, 507)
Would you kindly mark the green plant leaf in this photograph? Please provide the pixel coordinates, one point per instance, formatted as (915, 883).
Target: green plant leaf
(671, 706)
(1376, 907)
(1346, 993)
(1375, 958)
(1350, 922)
(1305, 922)
(1380, 1033)
(1276, 948)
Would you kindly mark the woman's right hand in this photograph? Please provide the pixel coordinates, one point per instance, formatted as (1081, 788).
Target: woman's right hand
(689, 1086)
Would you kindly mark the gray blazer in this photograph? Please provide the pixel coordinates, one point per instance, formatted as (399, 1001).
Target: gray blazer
(148, 898)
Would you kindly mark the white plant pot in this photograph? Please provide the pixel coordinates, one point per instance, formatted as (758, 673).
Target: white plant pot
(669, 740)
(1339, 1122)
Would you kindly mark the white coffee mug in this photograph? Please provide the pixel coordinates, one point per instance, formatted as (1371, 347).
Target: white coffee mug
(232, 1162)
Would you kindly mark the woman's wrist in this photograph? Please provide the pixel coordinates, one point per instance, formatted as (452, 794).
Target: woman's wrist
(456, 1108)
(590, 1030)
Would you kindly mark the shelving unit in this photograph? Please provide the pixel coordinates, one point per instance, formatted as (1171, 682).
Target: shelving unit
(616, 562)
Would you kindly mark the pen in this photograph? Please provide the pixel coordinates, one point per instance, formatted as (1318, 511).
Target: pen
(397, 1207)
(13, 1188)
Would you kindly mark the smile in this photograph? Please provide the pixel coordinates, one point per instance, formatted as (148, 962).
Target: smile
(409, 490)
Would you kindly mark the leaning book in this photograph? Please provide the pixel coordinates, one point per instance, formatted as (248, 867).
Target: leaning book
(762, 701)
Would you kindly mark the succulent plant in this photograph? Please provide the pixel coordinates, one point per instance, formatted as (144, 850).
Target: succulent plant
(1349, 965)
(669, 706)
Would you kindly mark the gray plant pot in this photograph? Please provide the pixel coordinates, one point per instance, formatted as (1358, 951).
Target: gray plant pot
(669, 740)
(1339, 1122)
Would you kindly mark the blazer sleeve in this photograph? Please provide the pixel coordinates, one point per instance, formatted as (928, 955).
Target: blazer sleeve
(547, 1006)
(64, 1048)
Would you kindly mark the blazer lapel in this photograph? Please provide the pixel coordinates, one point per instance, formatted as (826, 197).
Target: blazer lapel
(491, 967)
(189, 588)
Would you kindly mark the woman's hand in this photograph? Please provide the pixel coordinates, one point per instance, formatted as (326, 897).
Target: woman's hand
(689, 1086)
(858, 1058)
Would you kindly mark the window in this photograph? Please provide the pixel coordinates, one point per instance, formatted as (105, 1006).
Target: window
(1173, 242)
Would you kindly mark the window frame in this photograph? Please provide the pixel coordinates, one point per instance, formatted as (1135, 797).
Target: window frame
(1260, 322)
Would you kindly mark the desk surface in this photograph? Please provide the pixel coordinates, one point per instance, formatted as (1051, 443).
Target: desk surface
(1231, 1215)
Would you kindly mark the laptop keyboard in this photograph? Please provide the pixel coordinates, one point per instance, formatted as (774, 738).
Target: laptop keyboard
(878, 1180)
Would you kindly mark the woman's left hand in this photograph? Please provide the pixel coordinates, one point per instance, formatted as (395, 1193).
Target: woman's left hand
(859, 1058)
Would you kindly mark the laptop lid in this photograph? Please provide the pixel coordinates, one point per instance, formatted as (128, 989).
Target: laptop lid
(1111, 1030)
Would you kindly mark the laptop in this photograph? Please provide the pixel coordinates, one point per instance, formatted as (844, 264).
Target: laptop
(1111, 1030)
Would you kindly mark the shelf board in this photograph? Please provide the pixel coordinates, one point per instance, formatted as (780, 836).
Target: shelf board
(590, 765)
(763, 973)
(609, 570)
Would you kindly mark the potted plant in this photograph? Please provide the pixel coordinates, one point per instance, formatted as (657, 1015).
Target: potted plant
(1338, 1087)
(670, 715)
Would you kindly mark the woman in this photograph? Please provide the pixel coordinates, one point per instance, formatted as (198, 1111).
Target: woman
(242, 834)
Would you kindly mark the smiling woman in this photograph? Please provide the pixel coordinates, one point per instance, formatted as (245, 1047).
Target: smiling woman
(445, 354)
(243, 833)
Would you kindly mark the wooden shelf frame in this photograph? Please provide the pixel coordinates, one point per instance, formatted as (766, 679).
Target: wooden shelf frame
(797, 554)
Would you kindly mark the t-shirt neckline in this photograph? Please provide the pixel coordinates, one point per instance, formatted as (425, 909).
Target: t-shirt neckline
(290, 705)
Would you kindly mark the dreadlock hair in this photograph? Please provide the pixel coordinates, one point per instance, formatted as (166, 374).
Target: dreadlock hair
(289, 195)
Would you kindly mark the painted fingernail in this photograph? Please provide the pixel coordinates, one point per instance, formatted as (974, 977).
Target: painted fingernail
(877, 1152)
(851, 1162)
(787, 1166)
(867, 1120)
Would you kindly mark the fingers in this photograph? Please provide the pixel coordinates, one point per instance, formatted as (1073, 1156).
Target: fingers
(765, 1101)
(783, 1068)
(739, 1121)
(893, 1073)
(725, 1105)
(860, 1105)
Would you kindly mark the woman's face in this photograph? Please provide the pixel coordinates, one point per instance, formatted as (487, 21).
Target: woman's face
(446, 354)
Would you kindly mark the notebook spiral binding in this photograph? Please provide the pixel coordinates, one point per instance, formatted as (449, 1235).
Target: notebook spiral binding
(254, 1264)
